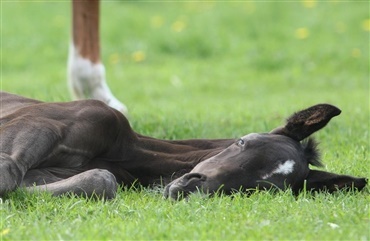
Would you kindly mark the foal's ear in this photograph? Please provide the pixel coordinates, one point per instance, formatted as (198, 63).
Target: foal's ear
(305, 122)
(330, 182)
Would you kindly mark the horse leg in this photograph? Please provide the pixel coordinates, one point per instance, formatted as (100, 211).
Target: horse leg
(91, 183)
(23, 144)
(86, 73)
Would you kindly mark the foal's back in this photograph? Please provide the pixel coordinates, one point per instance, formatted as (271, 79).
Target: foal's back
(10, 103)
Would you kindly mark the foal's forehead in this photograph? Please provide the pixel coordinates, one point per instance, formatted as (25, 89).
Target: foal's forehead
(252, 136)
(269, 147)
(267, 138)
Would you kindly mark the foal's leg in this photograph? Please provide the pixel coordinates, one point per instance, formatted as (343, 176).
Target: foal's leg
(97, 182)
(23, 143)
(86, 73)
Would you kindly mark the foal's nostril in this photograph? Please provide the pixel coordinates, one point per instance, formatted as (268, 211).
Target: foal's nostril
(194, 176)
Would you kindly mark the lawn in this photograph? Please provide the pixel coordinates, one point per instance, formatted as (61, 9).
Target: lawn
(203, 70)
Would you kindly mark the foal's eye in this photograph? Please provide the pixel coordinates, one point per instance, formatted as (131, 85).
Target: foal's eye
(240, 142)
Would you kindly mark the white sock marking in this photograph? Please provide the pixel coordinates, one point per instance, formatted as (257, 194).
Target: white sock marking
(87, 80)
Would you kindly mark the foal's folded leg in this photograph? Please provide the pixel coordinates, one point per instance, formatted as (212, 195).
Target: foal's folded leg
(95, 182)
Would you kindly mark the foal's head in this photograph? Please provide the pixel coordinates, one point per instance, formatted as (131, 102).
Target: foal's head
(277, 159)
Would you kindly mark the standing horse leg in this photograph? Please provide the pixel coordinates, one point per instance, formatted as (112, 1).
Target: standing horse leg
(86, 73)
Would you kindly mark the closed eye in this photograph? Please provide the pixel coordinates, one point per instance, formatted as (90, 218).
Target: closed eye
(240, 142)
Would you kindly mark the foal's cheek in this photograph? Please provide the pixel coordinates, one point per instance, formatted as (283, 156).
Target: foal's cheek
(226, 182)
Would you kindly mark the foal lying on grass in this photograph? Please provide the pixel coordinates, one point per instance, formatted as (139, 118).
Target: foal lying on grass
(87, 148)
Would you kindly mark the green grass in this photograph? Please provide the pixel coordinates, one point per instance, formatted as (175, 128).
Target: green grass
(210, 70)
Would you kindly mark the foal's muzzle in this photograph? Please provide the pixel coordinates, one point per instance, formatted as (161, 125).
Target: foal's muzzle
(183, 186)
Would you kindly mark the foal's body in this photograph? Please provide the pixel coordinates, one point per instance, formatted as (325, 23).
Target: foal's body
(48, 142)
(86, 147)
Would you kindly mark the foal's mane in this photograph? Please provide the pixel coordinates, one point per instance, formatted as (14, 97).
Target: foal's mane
(311, 151)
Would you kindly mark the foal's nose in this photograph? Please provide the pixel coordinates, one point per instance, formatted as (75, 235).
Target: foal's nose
(180, 188)
(190, 178)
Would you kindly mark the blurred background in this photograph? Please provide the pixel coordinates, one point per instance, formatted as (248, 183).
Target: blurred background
(200, 64)
(205, 70)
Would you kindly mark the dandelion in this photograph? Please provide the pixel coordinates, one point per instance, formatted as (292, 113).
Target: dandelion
(250, 7)
(302, 33)
(366, 25)
(157, 21)
(356, 53)
(309, 3)
(340, 27)
(114, 58)
(4, 231)
(178, 26)
(138, 56)
(59, 21)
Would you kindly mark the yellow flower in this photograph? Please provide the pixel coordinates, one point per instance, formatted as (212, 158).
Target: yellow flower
(309, 3)
(157, 21)
(178, 26)
(114, 58)
(250, 7)
(59, 21)
(366, 25)
(340, 27)
(356, 53)
(4, 231)
(138, 56)
(302, 33)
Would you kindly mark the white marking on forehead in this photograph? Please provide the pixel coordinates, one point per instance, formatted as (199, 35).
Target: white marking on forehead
(283, 168)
